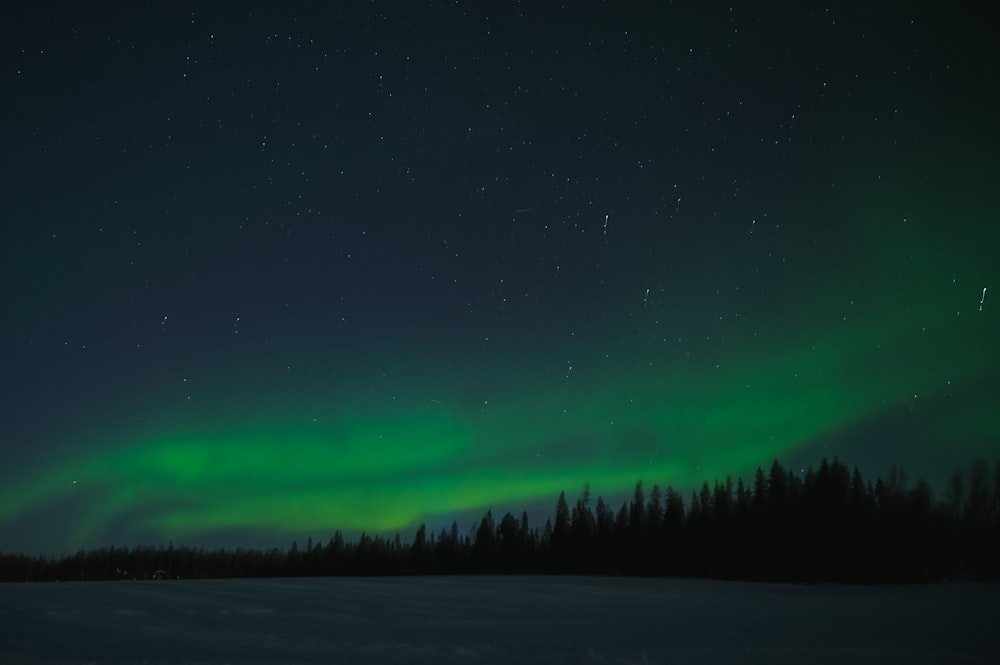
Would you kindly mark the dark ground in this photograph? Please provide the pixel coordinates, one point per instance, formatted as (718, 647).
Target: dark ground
(495, 620)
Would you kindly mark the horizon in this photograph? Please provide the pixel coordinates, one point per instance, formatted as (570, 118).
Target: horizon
(538, 516)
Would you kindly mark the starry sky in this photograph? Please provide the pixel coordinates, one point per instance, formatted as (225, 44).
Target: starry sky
(273, 269)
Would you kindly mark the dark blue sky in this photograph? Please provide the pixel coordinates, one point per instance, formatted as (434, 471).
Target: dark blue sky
(455, 256)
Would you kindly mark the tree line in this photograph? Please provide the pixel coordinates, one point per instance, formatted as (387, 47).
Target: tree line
(826, 525)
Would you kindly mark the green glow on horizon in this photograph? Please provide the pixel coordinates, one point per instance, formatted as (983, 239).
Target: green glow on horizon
(915, 330)
(387, 471)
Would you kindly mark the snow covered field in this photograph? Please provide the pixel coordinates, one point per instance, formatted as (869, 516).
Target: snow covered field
(495, 620)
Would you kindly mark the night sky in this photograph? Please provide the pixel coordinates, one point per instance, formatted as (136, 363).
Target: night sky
(273, 269)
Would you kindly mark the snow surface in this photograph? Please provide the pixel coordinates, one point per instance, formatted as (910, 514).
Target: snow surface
(495, 620)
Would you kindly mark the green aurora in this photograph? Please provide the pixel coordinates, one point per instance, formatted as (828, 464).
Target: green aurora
(391, 468)
(364, 279)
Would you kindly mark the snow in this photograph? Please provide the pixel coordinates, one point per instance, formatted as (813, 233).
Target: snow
(494, 620)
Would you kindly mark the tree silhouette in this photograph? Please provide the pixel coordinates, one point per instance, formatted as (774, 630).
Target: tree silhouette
(823, 525)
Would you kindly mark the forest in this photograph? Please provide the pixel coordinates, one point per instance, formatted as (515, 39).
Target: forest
(825, 525)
